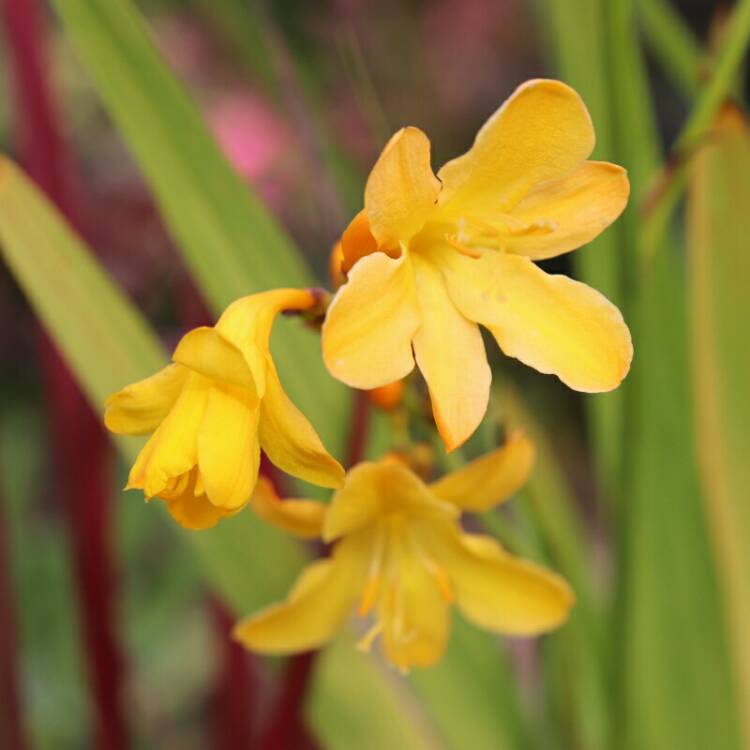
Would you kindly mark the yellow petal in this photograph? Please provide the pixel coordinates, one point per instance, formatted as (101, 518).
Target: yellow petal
(356, 241)
(570, 211)
(500, 592)
(228, 448)
(373, 490)
(450, 354)
(303, 518)
(192, 509)
(540, 133)
(247, 324)
(206, 351)
(289, 439)
(491, 479)
(172, 450)
(401, 189)
(370, 323)
(415, 617)
(316, 608)
(552, 323)
(140, 407)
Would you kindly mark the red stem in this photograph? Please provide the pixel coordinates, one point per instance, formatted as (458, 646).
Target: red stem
(79, 446)
(12, 733)
(285, 727)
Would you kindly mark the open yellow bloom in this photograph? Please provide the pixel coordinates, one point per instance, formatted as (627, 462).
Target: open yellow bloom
(212, 411)
(400, 552)
(430, 257)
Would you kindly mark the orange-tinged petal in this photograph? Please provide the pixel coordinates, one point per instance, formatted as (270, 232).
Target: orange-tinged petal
(139, 408)
(172, 450)
(572, 210)
(303, 518)
(372, 490)
(289, 439)
(228, 448)
(552, 323)
(356, 242)
(401, 189)
(206, 351)
(191, 508)
(415, 616)
(316, 608)
(388, 396)
(370, 323)
(540, 133)
(500, 592)
(450, 354)
(490, 479)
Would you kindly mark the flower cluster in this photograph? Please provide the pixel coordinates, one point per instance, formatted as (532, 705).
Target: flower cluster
(426, 262)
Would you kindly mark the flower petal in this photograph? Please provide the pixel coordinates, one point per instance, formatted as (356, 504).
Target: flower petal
(372, 490)
(228, 448)
(247, 324)
(450, 354)
(357, 241)
(500, 592)
(316, 608)
(490, 479)
(139, 408)
(551, 323)
(289, 439)
(192, 509)
(540, 133)
(370, 323)
(303, 518)
(206, 351)
(415, 616)
(171, 451)
(570, 211)
(401, 189)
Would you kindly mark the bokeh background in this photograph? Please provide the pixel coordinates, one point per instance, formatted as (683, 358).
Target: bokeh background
(114, 623)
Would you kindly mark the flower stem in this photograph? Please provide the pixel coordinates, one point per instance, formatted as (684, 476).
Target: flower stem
(78, 443)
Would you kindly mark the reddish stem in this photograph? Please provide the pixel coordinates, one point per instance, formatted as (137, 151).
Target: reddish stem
(78, 444)
(232, 714)
(12, 733)
(285, 727)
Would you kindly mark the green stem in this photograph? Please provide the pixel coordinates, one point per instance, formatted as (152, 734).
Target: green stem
(672, 43)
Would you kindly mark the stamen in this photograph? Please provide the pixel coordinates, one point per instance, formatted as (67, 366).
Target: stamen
(373, 579)
(364, 644)
(463, 249)
(369, 596)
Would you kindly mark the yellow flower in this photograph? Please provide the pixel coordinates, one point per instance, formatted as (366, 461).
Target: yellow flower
(400, 552)
(212, 411)
(430, 258)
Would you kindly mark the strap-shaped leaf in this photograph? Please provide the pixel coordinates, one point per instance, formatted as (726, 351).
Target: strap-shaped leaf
(229, 240)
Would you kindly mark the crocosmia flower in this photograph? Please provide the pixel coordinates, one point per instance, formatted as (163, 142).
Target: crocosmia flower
(212, 411)
(401, 559)
(431, 257)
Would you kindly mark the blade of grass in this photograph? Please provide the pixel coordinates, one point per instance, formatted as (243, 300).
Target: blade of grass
(719, 279)
(672, 43)
(665, 567)
(230, 241)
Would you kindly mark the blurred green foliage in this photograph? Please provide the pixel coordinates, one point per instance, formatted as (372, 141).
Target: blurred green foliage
(656, 552)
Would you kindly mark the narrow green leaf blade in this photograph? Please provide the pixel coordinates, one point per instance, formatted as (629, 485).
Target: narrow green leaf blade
(231, 243)
(719, 278)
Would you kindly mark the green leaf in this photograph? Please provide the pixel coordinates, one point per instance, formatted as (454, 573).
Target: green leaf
(719, 279)
(230, 241)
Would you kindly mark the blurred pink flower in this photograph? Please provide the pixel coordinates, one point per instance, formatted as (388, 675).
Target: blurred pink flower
(250, 134)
